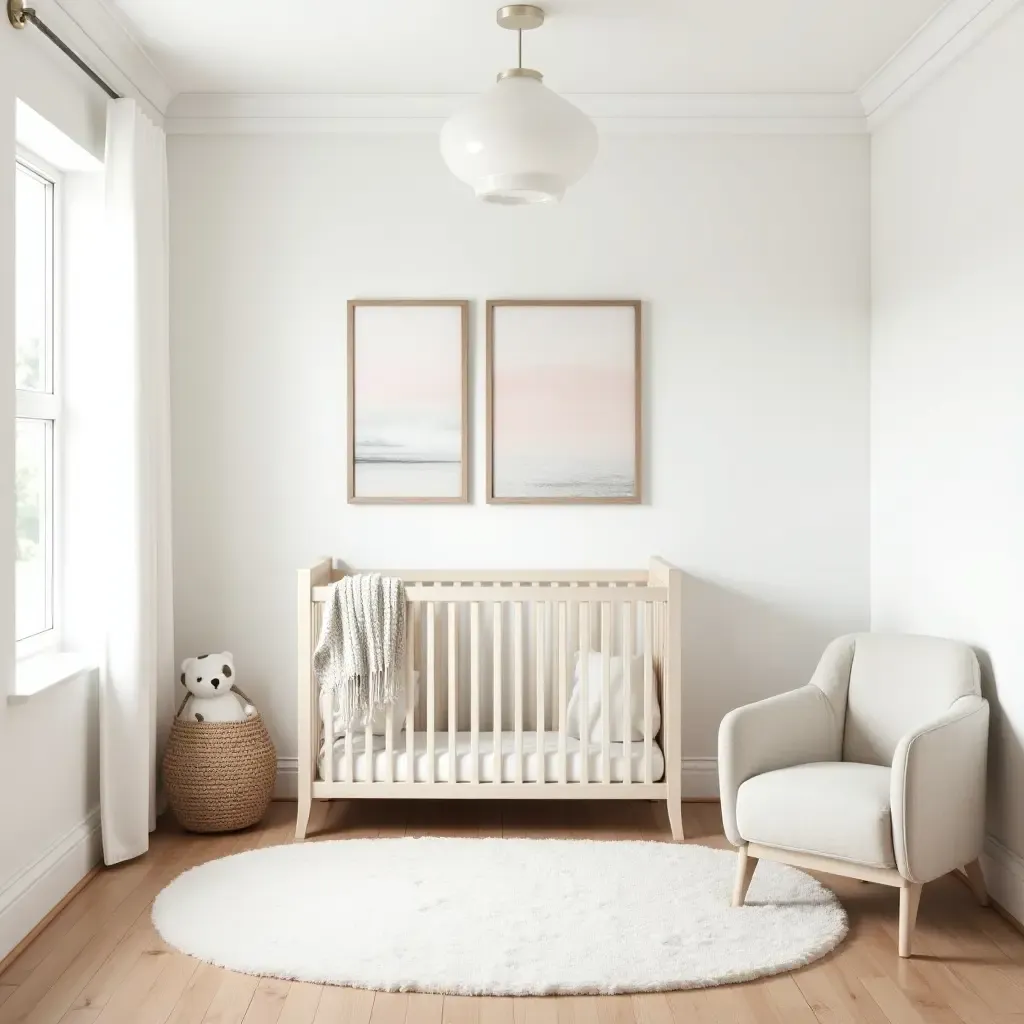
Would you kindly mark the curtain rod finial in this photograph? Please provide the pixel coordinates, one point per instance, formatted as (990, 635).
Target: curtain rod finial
(16, 13)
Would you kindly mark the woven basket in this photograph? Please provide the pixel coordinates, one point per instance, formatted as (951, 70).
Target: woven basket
(219, 776)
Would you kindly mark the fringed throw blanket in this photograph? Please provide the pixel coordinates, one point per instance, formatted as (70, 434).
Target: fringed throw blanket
(362, 644)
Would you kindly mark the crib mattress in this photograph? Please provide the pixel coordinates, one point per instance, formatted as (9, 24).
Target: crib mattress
(463, 759)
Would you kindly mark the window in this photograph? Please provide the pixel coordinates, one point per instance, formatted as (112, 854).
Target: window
(37, 407)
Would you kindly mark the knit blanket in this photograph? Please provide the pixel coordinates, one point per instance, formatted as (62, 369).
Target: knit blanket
(361, 648)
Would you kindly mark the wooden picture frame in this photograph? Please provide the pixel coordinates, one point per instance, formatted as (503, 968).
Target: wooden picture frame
(447, 485)
(605, 486)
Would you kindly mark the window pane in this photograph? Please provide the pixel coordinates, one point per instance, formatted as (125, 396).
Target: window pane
(32, 482)
(32, 280)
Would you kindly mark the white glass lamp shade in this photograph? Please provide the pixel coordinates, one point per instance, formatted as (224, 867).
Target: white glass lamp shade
(519, 142)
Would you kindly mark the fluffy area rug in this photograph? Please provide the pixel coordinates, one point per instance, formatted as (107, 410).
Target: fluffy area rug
(497, 916)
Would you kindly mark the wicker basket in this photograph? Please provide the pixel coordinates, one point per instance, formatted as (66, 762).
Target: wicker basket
(219, 776)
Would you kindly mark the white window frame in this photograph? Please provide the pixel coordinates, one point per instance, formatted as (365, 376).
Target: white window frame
(47, 405)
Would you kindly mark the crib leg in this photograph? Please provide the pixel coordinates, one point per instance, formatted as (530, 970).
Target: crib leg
(302, 816)
(675, 819)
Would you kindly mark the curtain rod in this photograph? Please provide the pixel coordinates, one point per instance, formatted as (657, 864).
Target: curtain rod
(18, 15)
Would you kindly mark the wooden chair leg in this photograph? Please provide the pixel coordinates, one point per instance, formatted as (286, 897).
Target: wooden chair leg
(910, 897)
(745, 865)
(976, 880)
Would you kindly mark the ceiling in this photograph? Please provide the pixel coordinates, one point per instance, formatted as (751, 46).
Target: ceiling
(586, 46)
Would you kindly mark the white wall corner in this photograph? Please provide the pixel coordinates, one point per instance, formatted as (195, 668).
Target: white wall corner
(614, 113)
(1004, 876)
(31, 894)
(102, 36)
(700, 778)
(938, 44)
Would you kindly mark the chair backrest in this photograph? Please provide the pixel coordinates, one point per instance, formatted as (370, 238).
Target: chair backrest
(899, 683)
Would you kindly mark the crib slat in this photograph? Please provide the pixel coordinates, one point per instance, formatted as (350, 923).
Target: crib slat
(410, 693)
(541, 691)
(606, 700)
(327, 726)
(349, 742)
(574, 626)
(561, 692)
(584, 707)
(627, 694)
(518, 683)
(431, 642)
(368, 748)
(551, 654)
(389, 743)
(497, 759)
(453, 689)
(368, 758)
(648, 687)
(328, 772)
(474, 690)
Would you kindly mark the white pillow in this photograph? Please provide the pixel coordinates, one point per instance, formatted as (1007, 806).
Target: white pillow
(616, 697)
(379, 720)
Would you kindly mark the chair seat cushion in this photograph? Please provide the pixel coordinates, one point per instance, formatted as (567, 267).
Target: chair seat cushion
(830, 808)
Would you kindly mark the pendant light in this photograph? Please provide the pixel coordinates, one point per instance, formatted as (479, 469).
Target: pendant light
(519, 142)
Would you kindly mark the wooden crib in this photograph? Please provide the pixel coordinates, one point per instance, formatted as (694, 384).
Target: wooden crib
(489, 665)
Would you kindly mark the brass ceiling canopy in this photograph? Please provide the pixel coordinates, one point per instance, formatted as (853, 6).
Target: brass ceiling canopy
(520, 17)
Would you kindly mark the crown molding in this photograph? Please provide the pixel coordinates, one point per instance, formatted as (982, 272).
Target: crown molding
(102, 37)
(937, 45)
(627, 113)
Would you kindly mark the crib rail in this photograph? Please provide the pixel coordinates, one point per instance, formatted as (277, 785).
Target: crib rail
(490, 663)
(474, 593)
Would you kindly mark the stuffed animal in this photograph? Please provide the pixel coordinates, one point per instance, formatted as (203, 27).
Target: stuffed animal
(210, 681)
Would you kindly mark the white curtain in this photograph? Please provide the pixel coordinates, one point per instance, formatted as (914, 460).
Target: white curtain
(137, 661)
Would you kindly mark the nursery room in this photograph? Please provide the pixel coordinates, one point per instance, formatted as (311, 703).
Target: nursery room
(516, 512)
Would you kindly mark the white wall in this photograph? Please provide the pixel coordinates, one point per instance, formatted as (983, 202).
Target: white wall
(49, 764)
(948, 384)
(751, 256)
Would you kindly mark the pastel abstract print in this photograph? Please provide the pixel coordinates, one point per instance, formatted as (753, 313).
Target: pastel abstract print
(565, 403)
(408, 381)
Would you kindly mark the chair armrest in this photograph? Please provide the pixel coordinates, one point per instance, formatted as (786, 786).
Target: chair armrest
(793, 728)
(938, 792)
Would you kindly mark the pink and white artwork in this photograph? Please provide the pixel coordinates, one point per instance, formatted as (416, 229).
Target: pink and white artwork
(407, 394)
(564, 402)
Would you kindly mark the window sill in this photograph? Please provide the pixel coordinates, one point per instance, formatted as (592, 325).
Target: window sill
(40, 672)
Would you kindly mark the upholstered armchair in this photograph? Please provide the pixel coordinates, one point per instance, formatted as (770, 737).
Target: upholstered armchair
(874, 770)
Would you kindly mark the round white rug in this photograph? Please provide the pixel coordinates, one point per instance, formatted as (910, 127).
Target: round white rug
(497, 916)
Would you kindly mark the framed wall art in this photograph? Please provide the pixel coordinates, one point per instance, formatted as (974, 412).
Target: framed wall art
(408, 400)
(564, 401)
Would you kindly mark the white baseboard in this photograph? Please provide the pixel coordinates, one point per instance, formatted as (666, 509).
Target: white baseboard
(31, 894)
(1004, 877)
(287, 785)
(700, 778)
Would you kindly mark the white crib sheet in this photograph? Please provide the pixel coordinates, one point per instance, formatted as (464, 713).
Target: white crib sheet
(463, 759)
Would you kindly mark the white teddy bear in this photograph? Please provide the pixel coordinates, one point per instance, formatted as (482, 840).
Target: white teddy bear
(210, 679)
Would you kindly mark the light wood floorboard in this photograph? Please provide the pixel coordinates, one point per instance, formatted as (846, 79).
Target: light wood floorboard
(99, 961)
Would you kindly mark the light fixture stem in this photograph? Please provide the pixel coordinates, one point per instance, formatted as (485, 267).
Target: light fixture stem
(520, 48)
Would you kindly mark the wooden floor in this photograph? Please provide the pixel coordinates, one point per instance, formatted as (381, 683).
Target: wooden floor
(100, 960)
